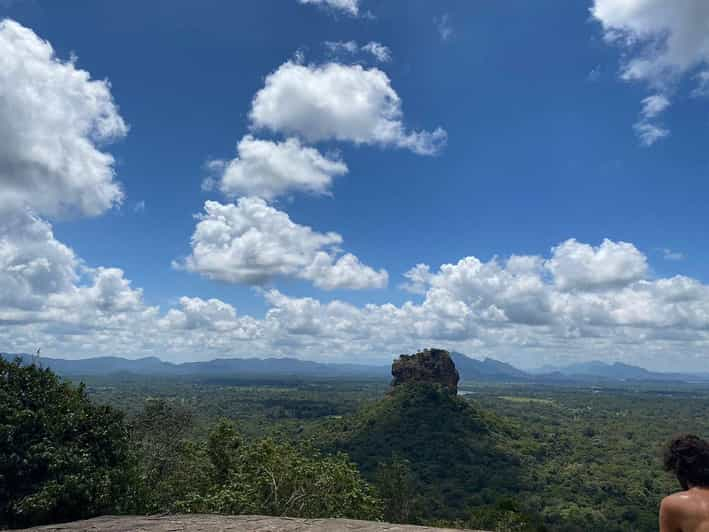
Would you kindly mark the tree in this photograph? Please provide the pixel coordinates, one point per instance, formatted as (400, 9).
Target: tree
(222, 448)
(61, 457)
(397, 486)
(276, 478)
(170, 467)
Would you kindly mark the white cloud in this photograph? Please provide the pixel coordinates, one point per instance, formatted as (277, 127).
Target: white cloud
(649, 133)
(196, 314)
(329, 273)
(669, 254)
(33, 264)
(702, 88)
(654, 105)
(52, 119)
(337, 102)
(419, 278)
(377, 50)
(665, 39)
(351, 7)
(251, 242)
(109, 292)
(350, 47)
(575, 265)
(661, 40)
(443, 25)
(581, 301)
(380, 52)
(269, 169)
(42, 279)
(647, 127)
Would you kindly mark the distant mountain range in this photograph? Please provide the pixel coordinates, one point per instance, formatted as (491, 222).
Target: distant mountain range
(616, 371)
(489, 369)
(221, 367)
(470, 369)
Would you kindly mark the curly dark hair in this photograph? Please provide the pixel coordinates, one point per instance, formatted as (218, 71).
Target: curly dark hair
(687, 456)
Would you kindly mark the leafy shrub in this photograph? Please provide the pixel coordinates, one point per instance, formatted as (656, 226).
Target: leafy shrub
(277, 478)
(61, 457)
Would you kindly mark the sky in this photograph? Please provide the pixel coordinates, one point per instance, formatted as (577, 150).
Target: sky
(348, 180)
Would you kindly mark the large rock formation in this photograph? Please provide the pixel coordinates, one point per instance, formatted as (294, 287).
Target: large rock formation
(433, 366)
(223, 523)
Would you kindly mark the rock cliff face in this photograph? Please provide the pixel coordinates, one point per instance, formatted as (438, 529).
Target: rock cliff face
(433, 366)
(223, 523)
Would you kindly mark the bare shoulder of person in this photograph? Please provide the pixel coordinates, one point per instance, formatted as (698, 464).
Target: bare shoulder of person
(671, 509)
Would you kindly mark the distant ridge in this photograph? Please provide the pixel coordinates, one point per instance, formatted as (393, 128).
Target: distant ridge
(470, 369)
(221, 367)
(488, 369)
(616, 371)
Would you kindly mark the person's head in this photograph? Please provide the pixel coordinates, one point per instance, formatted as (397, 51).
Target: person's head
(687, 456)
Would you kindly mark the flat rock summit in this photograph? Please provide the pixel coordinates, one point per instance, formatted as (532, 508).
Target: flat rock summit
(223, 523)
(432, 366)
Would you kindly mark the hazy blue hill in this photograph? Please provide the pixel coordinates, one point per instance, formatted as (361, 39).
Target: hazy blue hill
(488, 369)
(98, 365)
(213, 368)
(470, 369)
(279, 366)
(616, 371)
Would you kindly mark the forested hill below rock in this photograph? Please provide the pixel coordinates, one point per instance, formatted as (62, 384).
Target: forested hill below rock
(433, 454)
(223, 523)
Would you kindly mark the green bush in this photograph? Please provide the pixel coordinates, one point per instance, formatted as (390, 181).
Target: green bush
(277, 478)
(61, 457)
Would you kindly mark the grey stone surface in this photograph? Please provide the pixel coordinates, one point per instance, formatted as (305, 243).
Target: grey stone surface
(219, 523)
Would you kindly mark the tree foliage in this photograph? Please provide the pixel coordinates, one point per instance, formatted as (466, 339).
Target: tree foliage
(61, 456)
(227, 474)
(441, 447)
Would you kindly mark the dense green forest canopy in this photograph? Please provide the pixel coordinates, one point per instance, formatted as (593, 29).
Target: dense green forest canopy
(500, 457)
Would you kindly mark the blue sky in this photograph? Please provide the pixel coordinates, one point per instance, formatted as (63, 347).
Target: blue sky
(547, 146)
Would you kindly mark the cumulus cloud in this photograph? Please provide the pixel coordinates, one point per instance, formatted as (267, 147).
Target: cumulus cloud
(53, 119)
(33, 264)
(337, 102)
(522, 305)
(665, 39)
(662, 41)
(269, 169)
(197, 314)
(575, 265)
(350, 7)
(418, 279)
(251, 242)
(42, 278)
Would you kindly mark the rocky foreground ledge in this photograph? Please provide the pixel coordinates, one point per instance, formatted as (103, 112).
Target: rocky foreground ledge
(223, 523)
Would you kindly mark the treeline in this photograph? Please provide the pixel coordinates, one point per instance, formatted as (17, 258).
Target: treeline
(64, 458)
